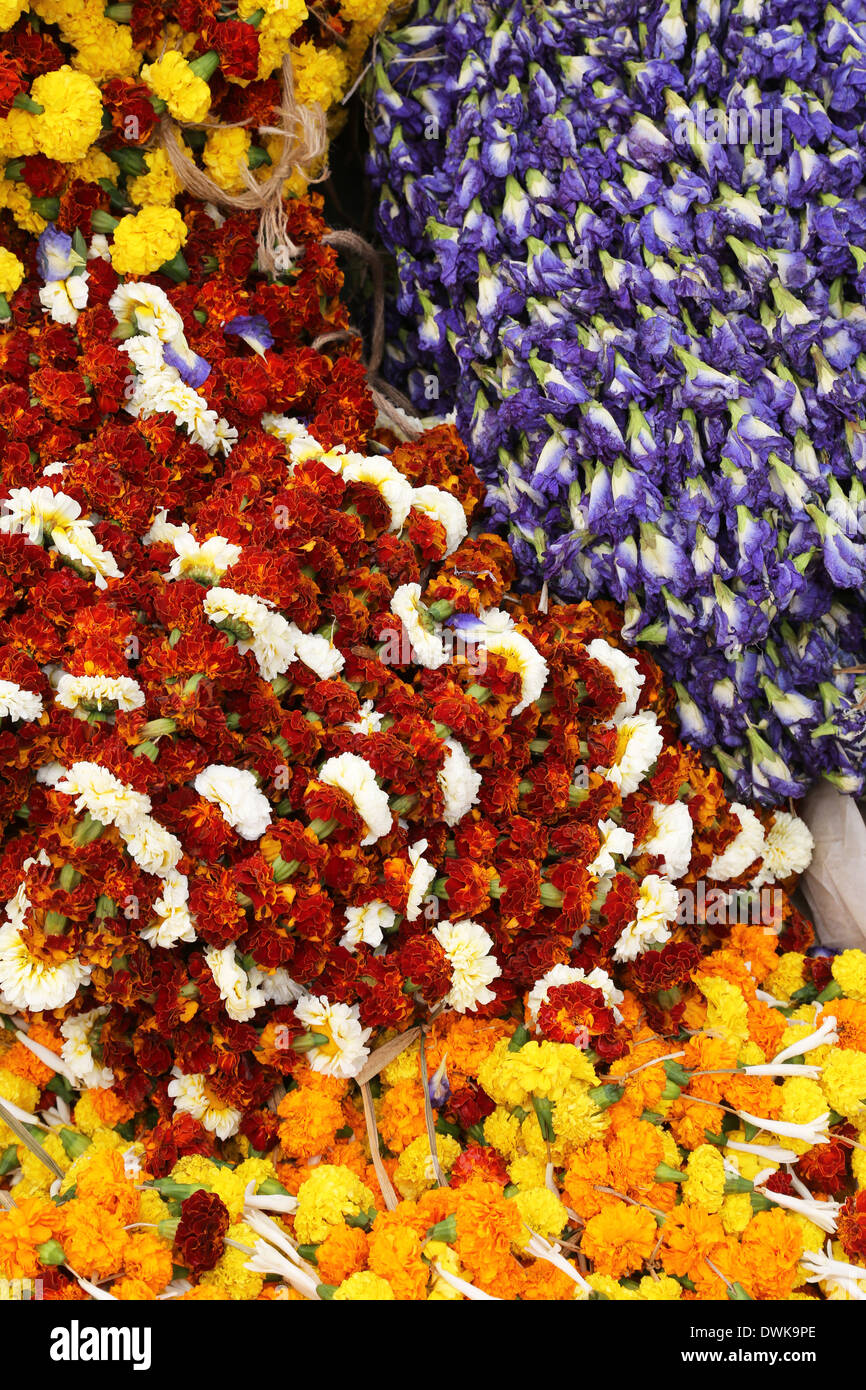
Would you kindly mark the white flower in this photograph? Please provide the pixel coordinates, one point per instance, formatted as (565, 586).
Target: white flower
(423, 874)
(77, 1053)
(104, 796)
(191, 1097)
(625, 672)
(153, 848)
(34, 511)
(301, 443)
(77, 543)
(460, 785)
(63, 299)
(639, 743)
(384, 477)
(812, 1132)
(17, 703)
(99, 249)
(837, 1279)
(787, 849)
(54, 470)
(568, 975)
(148, 308)
(121, 691)
(210, 558)
(175, 923)
(277, 986)
(28, 983)
(468, 947)
(656, 907)
(427, 646)
(164, 531)
(519, 653)
(234, 790)
(237, 991)
(442, 506)
(145, 354)
(318, 653)
(271, 639)
(369, 720)
(743, 850)
(614, 840)
(365, 924)
(354, 775)
(670, 837)
(345, 1053)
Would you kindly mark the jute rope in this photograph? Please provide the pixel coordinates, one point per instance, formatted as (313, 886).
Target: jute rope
(388, 400)
(305, 144)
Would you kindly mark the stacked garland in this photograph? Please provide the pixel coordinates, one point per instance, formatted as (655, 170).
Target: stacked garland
(631, 254)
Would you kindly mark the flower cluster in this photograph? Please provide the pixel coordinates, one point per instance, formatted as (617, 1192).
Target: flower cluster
(631, 255)
(286, 762)
(720, 1160)
(85, 90)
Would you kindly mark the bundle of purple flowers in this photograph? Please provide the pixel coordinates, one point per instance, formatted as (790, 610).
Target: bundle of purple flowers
(631, 252)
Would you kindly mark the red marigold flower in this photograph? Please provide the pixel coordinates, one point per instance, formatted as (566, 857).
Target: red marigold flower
(479, 1160)
(574, 1013)
(851, 1226)
(199, 1239)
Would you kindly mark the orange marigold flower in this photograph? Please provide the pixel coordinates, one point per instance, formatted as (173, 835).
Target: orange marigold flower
(757, 946)
(103, 1177)
(341, 1253)
(310, 1119)
(147, 1259)
(588, 1169)
(690, 1236)
(20, 1060)
(93, 1239)
(29, 1223)
(133, 1290)
(544, 1283)
(468, 1041)
(487, 1224)
(619, 1239)
(727, 965)
(759, 1095)
(643, 1089)
(634, 1151)
(110, 1108)
(767, 1027)
(769, 1255)
(851, 1022)
(690, 1120)
(395, 1254)
(401, 1115)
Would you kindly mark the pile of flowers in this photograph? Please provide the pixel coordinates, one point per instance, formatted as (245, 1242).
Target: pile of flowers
(720, 1163)
(631, 256)
(85, 91)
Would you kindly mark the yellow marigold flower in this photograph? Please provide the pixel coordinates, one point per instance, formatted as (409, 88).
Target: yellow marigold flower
(18, 133)
(15, 197)
(101, 1140)
(541, 1069)
(750, 1055)
(329, 1193)
(527, 1171)
(95, 165)
(225, 154)
(446, 1256)
(611, 1289)
(11, 272)
(230, 1270)
(406, 1067)
(858, 1166)
(171, 78)
(151, 1206)
(159, 186)
(849, 972)
(10, 12)
(321, 74)
(17, 1089)
(414, 1172)
(365, 1287)
(843, 1081)
(705, 1178)
(727, 1010)
(788, 977)
(101, 1109)
(368, 12)
(107, 52)
(72, 118)
(802, 1100)
(146, 240)
(736, 1213)
(38, 1174)
(502, 1132)
(542, 1212)
(660, 1290)
(577, 1120)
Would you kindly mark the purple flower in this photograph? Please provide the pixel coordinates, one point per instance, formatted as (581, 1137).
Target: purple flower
(254, 329)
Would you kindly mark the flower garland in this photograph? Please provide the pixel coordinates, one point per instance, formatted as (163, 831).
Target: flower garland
(613, 234)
